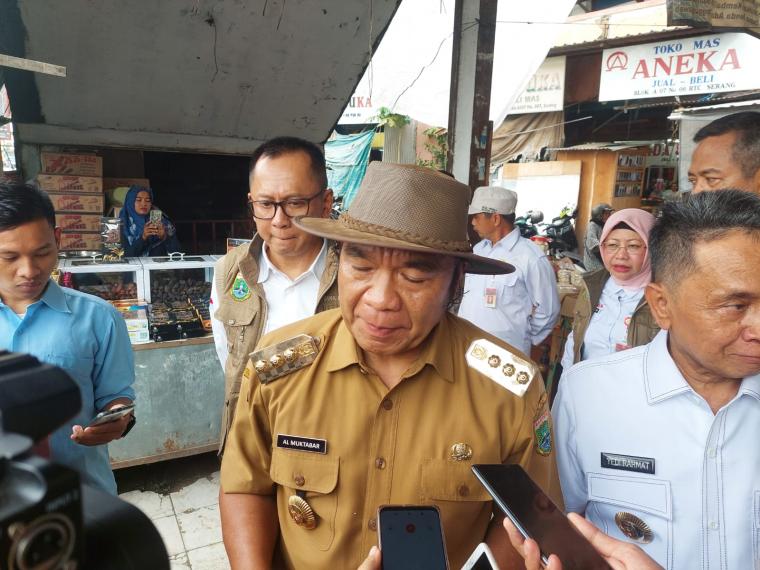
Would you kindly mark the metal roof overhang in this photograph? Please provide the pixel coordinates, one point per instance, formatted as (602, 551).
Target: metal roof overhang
(630, 40)
(207, 76)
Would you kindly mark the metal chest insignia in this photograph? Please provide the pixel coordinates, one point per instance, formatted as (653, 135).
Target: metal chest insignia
(240, 290)
(301, 512)
(500, 365)
(542, 428)
(633, 527)
(278, 360)
(460, 452)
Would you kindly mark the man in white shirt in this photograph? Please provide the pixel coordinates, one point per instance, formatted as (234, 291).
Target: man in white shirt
(284, 274)
(520, 308)
(658, 444)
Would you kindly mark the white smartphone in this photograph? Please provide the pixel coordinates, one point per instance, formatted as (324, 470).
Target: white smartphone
(109, 416)
(481, 559)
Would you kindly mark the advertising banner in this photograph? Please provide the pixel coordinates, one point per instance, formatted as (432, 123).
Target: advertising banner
(686, 66)
(545, 91)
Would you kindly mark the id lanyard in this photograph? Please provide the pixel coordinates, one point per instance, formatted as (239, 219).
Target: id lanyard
(489, 297)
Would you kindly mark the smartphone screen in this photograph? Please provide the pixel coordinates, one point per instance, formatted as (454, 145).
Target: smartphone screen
(155, 216)
(411, 538)
(537, 517)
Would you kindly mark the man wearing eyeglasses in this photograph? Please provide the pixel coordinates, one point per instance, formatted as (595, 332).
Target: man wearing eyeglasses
(284, 274)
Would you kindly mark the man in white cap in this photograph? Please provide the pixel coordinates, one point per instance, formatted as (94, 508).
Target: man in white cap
(520, 308)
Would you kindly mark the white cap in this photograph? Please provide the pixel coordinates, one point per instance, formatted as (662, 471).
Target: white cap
(493, 200)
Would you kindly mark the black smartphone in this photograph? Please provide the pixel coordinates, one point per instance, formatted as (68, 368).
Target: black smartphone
(411, 538)
(537, 517)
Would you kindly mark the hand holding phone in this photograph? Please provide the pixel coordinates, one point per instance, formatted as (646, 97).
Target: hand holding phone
(411, 537)
(536, 516)
(108, 416)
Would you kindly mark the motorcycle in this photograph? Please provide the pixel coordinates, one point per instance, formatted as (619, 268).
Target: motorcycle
(559, 237)
(528, 223)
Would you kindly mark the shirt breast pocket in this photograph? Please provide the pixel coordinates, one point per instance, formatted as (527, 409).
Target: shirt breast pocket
(454, 489)
(642, 507)
(78, 367)
(315, 477)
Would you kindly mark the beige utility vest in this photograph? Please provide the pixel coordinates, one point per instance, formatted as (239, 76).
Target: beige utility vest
(244, 320)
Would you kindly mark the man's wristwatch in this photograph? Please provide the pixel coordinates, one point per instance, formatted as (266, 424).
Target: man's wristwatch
(130, 425)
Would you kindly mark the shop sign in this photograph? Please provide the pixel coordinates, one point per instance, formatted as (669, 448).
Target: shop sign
(358, 111)
(663, 153)
(545, 91)
(714, 13)
(688, 66)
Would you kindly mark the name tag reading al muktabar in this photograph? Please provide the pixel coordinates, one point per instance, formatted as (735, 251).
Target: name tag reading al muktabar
(298, 443)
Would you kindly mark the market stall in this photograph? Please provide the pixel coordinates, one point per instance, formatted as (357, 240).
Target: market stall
(178, 380)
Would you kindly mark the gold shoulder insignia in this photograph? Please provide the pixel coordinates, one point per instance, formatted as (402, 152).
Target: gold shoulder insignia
(278, 360)
(500, 365)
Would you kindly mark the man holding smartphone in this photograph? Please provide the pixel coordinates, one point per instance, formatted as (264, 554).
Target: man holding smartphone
(79, 333)
(389, 400)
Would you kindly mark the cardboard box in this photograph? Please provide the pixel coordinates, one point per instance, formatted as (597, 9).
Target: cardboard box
(74, 164)
(80, 240)
(66, 183)
(110, 183)
(78, 222)
(89, 203)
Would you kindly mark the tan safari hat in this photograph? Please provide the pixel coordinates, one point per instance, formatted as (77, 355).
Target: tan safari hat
(401, 206)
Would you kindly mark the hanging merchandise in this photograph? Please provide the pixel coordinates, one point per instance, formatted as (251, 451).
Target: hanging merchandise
(347, 157)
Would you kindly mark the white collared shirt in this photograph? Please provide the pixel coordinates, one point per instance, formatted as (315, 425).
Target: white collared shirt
(702, 501)
(288, 300)
(607, 330)
(527, 302)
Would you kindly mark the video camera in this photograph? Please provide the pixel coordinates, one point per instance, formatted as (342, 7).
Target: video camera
(48, 521)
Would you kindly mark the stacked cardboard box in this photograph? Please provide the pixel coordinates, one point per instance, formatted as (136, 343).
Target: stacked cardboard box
(74, 183)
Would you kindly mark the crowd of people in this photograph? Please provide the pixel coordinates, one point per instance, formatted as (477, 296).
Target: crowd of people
(350, 382)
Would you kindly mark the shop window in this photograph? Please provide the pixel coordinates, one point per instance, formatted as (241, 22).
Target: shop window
(7, 151)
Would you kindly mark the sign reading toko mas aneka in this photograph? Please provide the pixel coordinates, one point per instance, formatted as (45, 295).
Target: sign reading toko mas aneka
(686, 66)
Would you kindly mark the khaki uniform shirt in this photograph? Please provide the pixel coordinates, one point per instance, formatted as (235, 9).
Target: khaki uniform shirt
(382, 446)
(244, 319)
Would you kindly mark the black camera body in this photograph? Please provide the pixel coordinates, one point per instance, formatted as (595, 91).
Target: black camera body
(48, 520)
(41, 515)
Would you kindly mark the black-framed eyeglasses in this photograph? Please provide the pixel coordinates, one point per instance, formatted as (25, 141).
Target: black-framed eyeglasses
(293, 207)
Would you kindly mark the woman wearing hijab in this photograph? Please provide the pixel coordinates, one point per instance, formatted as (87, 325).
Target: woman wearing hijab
(143, 234)
(611, 313)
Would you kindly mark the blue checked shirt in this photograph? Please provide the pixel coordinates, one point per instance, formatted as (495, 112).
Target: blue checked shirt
(86, 337)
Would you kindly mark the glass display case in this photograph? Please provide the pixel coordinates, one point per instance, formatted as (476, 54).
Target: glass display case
(110, 280)
(177, 278)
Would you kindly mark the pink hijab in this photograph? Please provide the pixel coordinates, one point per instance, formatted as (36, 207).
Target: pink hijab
(641, 222)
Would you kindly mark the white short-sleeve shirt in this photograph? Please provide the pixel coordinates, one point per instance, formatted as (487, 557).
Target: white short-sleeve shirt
(634, 437)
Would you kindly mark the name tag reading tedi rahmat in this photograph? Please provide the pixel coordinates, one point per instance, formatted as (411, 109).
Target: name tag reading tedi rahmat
(501, 366)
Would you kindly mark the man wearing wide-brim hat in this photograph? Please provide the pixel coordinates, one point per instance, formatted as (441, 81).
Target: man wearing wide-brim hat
(388, 400)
